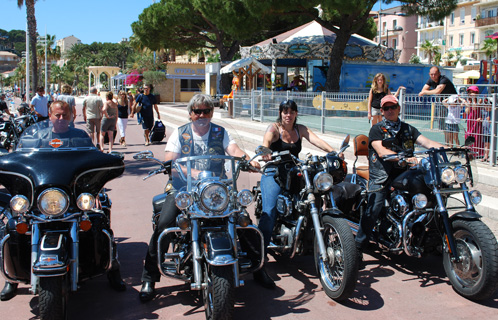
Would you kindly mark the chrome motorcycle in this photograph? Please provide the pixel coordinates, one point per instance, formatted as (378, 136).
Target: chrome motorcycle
(308, 218)
(55, 219)
(11, 129)
(431, 209)
(214, 242)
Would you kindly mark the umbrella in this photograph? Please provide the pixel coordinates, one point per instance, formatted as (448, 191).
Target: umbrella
(245, 63)
(472, 74)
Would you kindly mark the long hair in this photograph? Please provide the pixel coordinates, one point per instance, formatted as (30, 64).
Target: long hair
(284, 106)
(374, 83)
(122, 101)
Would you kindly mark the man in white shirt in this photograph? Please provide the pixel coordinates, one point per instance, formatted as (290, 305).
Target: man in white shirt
(39, 104)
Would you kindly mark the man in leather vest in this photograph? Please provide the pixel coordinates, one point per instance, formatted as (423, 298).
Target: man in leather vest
(382, 172)
(199, 137)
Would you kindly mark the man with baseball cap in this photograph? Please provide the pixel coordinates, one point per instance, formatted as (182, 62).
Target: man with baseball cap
(382, 172)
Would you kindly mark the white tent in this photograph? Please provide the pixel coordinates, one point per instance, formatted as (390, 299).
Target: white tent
(246, 63)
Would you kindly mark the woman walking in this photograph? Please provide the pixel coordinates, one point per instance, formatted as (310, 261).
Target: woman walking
(123, 111)
(109, 119)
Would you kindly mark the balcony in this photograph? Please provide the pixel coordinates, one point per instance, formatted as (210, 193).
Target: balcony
(486, 21)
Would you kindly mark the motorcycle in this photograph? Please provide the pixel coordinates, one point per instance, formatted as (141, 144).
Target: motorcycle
(214, 242)
(308, 218)
(11, 130)
(431, 209)
(55, 227)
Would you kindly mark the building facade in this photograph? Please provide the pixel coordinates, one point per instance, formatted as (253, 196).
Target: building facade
(65, 44)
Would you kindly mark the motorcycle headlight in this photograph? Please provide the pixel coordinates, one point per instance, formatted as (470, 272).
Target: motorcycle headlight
(183, 200)
(448, 176)
(85, 201)
(245, 197)
(475, 197)
(419, 201)
(53, 202)
(323, 181)
(19, 204)
(214, 197)
(461, 174)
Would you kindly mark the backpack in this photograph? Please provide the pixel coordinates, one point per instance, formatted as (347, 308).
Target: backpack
(158, 132)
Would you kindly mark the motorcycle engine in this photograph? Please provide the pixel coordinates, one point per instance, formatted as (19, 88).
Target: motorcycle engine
(284, 205)
(399, 205)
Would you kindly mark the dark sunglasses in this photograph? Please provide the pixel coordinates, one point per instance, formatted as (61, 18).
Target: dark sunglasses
(393, 107)
(199, 111)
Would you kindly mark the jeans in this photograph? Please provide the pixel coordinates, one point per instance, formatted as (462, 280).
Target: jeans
(270, 190)
(375, 204)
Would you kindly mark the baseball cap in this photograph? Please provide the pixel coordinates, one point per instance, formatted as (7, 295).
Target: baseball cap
(453, 99)
(473, 88)
(388, 99)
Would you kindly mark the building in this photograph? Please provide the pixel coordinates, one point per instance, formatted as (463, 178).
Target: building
(65, 44)
(8, 61)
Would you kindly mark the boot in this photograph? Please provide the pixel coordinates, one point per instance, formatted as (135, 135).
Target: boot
(147, 292)
(9, 291)
(115, 280)
(264, 279)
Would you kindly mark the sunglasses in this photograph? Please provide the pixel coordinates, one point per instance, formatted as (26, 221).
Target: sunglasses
(393, 107)
(199, 111)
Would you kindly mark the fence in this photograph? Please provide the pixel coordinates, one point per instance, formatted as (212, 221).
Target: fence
(346, 113)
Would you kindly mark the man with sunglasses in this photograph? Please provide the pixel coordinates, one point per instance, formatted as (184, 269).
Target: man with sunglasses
(196, 138)
(383, 172)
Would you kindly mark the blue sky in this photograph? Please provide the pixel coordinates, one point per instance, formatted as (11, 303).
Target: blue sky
(88, 20)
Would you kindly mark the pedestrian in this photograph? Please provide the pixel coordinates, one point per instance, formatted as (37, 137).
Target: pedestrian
(473, 112)
(3, 105)
(454, 105)
(123, 111)
(39, 104)
(438, 84)
(23, 108)
(92, 114)
(486, 128)
(67, 97)
(140, 92)
(378, 91)
(109, 120)
(148, 103)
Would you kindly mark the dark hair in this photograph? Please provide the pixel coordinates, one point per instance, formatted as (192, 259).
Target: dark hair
(284, 106)
(40, 89)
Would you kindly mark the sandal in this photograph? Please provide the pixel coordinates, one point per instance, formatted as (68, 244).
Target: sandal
(147, 143)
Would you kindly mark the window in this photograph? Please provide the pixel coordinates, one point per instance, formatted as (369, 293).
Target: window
(191, 85)
(473, 13)
(462, 15)
(384, 27)
(460, 40)
(452, 18)
(472, 38)
(395, 43)
(395, 24)
(451, 41)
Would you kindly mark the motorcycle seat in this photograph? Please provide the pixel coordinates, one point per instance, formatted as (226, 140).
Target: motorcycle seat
(361, 149)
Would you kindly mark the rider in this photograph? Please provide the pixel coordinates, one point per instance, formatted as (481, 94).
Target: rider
(199, 137)
(283, 135)
(382, 172)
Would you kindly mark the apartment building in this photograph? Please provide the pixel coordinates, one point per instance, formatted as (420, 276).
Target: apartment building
(65, 44)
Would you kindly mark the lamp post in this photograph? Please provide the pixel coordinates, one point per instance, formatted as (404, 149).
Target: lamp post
(397, 28)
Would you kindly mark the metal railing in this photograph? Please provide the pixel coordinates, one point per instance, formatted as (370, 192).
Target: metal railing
(346, 113)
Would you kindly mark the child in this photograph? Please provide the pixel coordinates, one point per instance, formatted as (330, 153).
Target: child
(486, 128)
(452, 121)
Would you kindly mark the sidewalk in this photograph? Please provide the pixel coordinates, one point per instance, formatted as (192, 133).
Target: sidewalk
(250, 134)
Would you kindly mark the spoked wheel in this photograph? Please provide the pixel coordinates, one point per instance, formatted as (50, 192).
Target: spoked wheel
(475, 275)
(53, 298)
(219, 292)
(339, 272)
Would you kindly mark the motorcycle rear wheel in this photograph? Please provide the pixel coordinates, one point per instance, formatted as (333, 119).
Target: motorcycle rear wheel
(219, 292)
(339, 274)
(53, 298)
(475, 276)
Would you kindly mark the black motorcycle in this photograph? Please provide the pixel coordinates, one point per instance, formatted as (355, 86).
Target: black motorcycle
(12, 128)
(431, 209)
(55, 226)
(308, 219)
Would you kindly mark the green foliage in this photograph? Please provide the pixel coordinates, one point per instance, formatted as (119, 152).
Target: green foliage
(154, 77)
(430, 49)
(437, 58)
(414, 59)
(489, 47)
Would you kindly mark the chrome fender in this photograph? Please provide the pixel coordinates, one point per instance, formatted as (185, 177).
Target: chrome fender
(218, 248)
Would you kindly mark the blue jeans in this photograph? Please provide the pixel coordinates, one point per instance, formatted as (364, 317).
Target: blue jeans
(270, 190)
(375, 203)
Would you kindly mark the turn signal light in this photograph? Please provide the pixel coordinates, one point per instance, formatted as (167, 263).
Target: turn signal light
(183, 222)
(85, 225)
(244, 220)
(22, 227)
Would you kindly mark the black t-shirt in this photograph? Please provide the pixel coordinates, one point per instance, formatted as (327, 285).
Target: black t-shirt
(448, 89)
(3, 106)
(381, 171)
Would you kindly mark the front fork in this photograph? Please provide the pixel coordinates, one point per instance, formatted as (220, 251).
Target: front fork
(450, 241)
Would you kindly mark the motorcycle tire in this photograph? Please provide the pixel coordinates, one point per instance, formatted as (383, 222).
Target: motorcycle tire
(475, 277)
(338, 277)
(53, 298)
(219, 292)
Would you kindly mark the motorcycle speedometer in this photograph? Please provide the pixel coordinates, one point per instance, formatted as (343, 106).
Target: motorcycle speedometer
(323, 181)
(214, 197)
(53, 202)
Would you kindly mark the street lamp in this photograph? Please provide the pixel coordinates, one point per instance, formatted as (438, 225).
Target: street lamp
(397, 28)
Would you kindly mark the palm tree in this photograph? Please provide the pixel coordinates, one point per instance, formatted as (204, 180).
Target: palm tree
(489, 47)
(430, 49)
(57, 75)
(30, 16)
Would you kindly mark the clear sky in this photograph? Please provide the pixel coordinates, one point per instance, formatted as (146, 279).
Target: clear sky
(88, 20)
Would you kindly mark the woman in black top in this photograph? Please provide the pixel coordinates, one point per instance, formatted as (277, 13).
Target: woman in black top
(285, 134)
(123, 111)
(378, 91)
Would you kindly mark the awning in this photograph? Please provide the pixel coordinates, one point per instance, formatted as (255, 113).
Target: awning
(471, 74)
(124, 76)
(243, 63)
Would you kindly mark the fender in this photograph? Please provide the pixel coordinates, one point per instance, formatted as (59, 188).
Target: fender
(219, 250)
(470, 215)
(333, 212)
(53, 255)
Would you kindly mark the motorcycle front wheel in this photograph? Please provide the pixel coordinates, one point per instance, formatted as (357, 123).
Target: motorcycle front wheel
(475, 275)
(219, 292)
(53, 298)
(339, 273)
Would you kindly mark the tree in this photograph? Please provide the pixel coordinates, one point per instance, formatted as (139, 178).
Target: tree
(30, 16)
(344, 18)
(489, 48)
(430, 49)
(414, 59)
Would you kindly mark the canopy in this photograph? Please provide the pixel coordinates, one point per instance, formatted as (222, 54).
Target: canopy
(243, 63)
(472, 74)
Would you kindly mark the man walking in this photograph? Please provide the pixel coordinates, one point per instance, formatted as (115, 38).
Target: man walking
(39, 104)
(92, 114)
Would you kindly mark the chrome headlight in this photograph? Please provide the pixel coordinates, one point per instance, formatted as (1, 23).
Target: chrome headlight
(53, 202)
(461, 174)
(19, 204)
(85, 201)
(214, 196)
(183, 200)
(419, 201)
(475, 197)
(245, 197)
(447, 176)
(323, 181)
